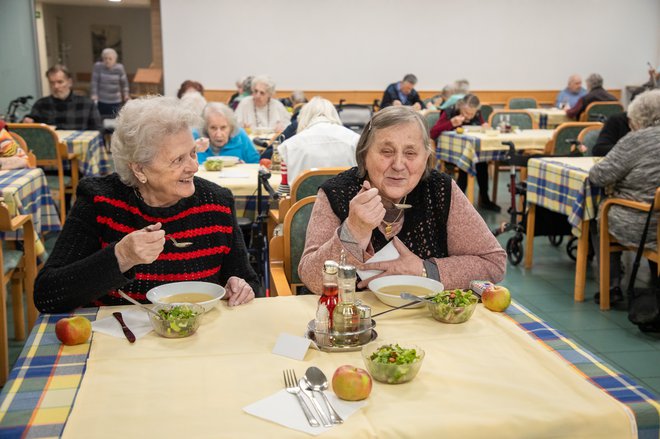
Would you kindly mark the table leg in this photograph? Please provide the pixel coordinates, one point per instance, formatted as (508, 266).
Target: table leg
(469, 191)
(581, 262)
(529, 248)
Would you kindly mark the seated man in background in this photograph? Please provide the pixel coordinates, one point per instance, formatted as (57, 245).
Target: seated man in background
(225, 136)
(568, 97)
(596, 94)
(321, 141)
(63, 108)
(402, 93)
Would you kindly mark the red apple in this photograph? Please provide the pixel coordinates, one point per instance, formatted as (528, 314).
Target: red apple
(73, 330)
(496, 298)
(351, 383)
(266, 163)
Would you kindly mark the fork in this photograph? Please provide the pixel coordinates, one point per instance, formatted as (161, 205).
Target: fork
(178, 244)
(291, 386)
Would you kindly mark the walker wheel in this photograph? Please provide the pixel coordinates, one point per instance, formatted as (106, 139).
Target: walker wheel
(571, 248)
(555, 240)
(514, 250)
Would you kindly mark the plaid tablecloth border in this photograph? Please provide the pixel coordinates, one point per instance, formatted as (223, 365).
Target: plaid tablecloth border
(89, 146)
(564, 189)
(464, 151)
(42, 387)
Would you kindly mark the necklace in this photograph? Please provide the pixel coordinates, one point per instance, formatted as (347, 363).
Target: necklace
(256, 119)
(388, 226)
(137, 193)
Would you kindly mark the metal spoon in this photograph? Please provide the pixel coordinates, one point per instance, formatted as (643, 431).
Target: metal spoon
(304, 385)
(178, 244)
(135, 302)
(317, 381)
(408, 296)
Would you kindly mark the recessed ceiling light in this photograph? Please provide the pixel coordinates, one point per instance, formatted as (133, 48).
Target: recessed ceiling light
(114, 1)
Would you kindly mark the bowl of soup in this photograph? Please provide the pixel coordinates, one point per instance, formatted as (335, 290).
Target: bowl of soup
(205, 294)
(388, 289)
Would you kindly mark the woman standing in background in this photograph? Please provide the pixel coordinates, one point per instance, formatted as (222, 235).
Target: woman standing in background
(109, 84)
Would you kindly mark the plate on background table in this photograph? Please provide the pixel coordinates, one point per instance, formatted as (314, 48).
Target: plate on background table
(227, 160)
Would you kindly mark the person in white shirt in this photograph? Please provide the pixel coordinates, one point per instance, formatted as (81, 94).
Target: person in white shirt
(260, 111)
(321, 140)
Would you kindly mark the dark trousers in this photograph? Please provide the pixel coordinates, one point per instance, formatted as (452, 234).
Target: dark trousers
(482, 179)
(109, 111)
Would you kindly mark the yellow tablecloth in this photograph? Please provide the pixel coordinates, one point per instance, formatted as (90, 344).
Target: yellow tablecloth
(482, 378)
(524, 139)
(241, 178)
(556, 116)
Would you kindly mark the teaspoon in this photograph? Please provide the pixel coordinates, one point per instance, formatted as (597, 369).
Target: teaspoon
(317, 381)
(178, 244)
(397, 205)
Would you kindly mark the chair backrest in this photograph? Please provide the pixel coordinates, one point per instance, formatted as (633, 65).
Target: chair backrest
(354, 116)
(32, 159)
(308, 182)
(520, 118)
(431, 117)
(41, 140)
(559, 144)
(295, 233)
(521, 103)
(588, 138)
(599, 111)
(486, 111)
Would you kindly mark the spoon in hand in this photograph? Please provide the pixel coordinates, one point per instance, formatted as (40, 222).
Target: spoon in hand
(135, 302)
(178, 244)
(318, 382)
(397, 205)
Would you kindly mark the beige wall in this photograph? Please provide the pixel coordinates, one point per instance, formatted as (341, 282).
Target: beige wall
(74, 24)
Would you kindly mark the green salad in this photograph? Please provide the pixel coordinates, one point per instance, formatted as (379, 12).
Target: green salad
(393, 364)
(179, 320)
(453, 306)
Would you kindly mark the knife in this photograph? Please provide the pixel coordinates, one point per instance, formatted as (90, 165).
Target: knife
(127, 332)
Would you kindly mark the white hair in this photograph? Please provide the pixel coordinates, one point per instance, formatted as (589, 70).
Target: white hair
(224, 111)
(644, 111)
(265, 80)
(316, 110)
(109, 51)
(195, 102)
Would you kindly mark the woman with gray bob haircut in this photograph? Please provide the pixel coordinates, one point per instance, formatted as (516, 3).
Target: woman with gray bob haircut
(225, 136)
(261, 111)
(394, 195)
(116, 235)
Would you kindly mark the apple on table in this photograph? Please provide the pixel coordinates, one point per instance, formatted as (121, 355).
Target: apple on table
(496, 298)
(73, 330)
(351, 383)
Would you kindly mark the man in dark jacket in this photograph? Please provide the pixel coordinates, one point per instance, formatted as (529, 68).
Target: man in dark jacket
(402, 93)
(596, 94)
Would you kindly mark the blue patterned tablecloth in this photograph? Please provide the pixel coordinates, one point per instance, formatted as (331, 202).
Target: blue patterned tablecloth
(89, 146)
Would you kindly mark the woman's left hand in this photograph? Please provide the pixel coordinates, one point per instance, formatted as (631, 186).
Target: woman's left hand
(238, 291)
(407, 263)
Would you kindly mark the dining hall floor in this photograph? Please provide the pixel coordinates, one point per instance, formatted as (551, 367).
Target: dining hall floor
(547, 290)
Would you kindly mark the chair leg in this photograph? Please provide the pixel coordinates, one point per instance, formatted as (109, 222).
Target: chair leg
(496, 179)
(17, 308)
(4, 340)
(604, 272)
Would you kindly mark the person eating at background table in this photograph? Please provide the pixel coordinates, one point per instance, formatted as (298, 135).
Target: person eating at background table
(402, 93)
(261, 110)
(225, 136)
(441, 236)
(63, 108)
(115, 236)
(596, 93)
(466, 112)
(632, 167)
(568, 97)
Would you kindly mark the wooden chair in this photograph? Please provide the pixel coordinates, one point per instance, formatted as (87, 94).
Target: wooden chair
(50, 152)
(431, 117)
(520, 118)
(600, 110)
(20, 268)
(588, 138)
(608, 243)
(32, 159)
(286, 250)
(486, 111)
(565, 132)
(521, 103)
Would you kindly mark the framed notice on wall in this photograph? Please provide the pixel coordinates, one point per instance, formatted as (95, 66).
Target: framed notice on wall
(104, 35)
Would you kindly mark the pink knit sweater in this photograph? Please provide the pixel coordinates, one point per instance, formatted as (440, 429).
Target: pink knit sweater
(474, 253)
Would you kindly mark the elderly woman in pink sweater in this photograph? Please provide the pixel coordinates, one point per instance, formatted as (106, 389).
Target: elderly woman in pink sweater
(441, 236)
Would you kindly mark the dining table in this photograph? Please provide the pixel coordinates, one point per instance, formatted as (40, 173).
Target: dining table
(554, 116)
(25, 191)
(243, 180)
(470, 147)
(561, 184)
(93, 157)
(499, 375)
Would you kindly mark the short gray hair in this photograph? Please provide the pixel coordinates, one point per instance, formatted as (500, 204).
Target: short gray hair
(410, 78)
(469, 100)
(224, 111)
(594, 80)
(386, 118)
(109, 50)
(142, 125)
(195, 102)
(644, 111)
(317, 109)
(462, 86)
(265, 80)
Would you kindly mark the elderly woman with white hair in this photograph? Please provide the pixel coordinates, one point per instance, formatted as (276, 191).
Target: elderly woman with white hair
(321, 140)
(109, 87)
(116, 235)
(632, 167)
(261, 111)
(225, 136)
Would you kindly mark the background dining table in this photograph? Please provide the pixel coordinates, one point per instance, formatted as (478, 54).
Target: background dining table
(561, 184)
(555, 116)
(508, 374)
(93, 157)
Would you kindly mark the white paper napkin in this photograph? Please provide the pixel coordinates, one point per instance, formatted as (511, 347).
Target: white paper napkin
(386, 253)
(283, 408)
(137, 321)
(233, 174)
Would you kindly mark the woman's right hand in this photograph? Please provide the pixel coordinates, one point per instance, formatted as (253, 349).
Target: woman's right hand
(457, 121)
(365, 213)
(140, 247)
(202, 144)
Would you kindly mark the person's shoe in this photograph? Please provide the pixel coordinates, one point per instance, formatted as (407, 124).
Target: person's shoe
(616, 296)
(489, 205)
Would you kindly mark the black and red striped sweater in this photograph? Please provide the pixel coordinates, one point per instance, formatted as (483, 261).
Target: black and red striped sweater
(83, 270)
